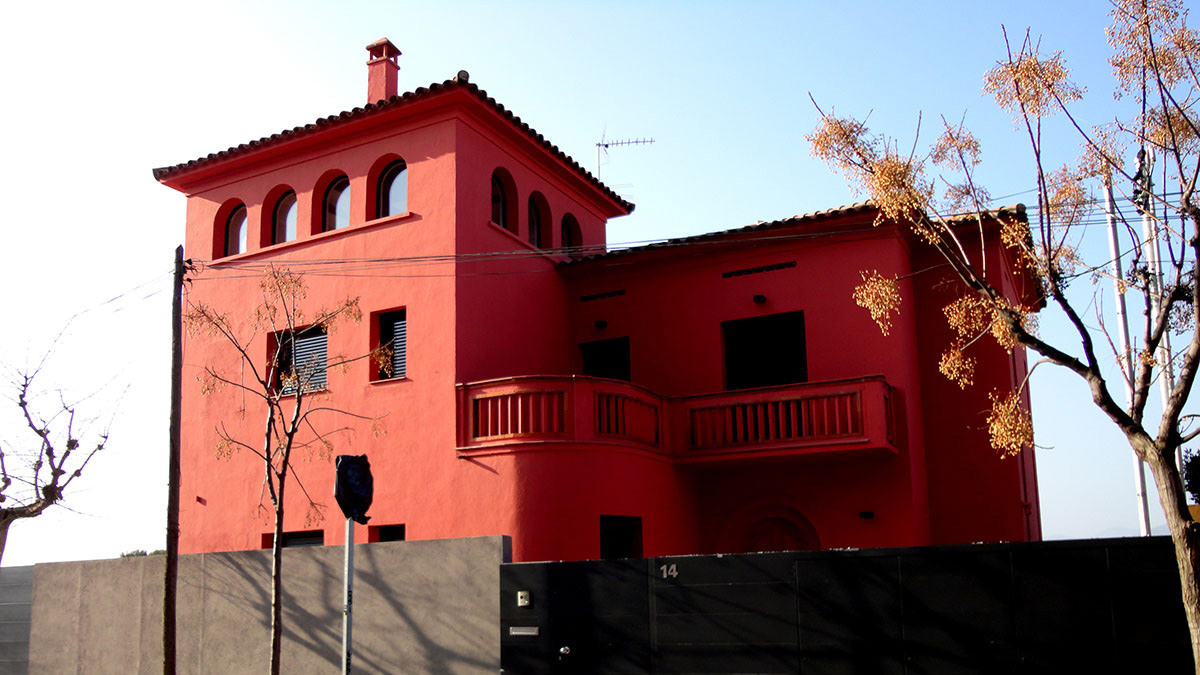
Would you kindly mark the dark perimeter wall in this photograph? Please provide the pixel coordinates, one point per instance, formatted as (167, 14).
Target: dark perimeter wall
(1087, 606)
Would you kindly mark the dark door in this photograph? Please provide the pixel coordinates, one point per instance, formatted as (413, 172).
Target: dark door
(606, 358)
(763, 351)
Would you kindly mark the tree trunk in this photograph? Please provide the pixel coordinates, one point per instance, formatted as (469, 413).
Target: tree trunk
(1185, 535)
(277, 585)
(3, 536)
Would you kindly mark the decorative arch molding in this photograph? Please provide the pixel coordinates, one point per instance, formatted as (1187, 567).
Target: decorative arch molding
(767, 524)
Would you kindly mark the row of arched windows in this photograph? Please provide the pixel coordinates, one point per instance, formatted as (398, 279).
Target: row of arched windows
(390, 198)
(537, 219)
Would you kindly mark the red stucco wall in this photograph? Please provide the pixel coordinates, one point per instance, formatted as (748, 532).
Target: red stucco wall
(483, 303)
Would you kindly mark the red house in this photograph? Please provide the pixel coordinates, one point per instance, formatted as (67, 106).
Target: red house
(716, 393)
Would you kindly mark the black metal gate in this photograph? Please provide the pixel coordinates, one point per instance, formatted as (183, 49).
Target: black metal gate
(1094, 606)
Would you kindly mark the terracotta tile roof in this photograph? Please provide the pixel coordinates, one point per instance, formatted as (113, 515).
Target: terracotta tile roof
(867, 206)
(849, 209)
(459, 82)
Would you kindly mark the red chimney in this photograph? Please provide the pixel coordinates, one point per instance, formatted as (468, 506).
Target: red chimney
(381, 70)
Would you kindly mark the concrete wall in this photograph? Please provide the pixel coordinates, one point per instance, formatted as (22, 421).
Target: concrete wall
(420, 607)
(16, 597)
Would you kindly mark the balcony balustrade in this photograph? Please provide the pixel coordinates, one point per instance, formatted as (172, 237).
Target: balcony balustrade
(525, 413)
(540, 410)
(817, 417)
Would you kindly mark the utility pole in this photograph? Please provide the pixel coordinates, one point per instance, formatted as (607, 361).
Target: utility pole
(172, 572)
(1126, 361)
(1150, 230)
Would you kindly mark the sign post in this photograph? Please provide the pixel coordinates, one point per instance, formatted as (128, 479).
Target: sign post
(348, 597)
(353, 491)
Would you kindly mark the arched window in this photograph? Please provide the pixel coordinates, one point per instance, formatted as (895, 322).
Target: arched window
(235, 232)
(392, 192)
(499, 202)
(283, 223)
(504, 200)
(335, 213)
(572, 238)
(539, 221)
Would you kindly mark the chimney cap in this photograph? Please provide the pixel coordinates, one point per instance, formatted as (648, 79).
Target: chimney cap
(382, 49)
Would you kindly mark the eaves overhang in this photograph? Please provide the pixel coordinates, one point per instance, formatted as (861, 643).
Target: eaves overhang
(414, 101)
(736, 234)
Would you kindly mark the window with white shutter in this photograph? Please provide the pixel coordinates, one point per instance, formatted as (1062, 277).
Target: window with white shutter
(393, 335)
(302, 360)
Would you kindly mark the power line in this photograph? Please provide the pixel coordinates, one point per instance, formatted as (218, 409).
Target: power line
(340, 266)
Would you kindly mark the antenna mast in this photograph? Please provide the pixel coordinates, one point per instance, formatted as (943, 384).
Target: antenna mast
(605, 145)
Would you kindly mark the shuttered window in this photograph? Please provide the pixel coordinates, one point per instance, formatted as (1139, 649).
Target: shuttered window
(393, 334)
(303, 354)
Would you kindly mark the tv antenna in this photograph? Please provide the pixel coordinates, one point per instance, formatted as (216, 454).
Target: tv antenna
(605, 145)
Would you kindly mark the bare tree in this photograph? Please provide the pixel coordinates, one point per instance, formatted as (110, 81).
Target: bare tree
(35, 476)
(1155, 64)
(287, 390)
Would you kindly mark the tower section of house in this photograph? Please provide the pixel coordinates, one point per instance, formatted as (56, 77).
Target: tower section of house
(714, 393)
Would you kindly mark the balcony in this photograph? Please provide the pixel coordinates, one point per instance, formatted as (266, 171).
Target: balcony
(577, 412)
(532, 412)
(810, 418)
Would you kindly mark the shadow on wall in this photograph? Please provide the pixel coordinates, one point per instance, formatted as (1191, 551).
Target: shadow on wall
(419, 606)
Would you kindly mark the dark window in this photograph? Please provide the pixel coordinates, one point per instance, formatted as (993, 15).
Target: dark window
(235, 232)
(536, 220)
(336, 211)
(504, 200)
(302, 360)
(764, 351)
(393, 336)
(499, 202)
(386, 533)
(302, 538)
(606, 358)
(392, 194)
(572, 238)
(283, 224)
(620, 537)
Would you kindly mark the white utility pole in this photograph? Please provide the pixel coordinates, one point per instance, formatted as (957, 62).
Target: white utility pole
(1150, 232)
(1126, 361)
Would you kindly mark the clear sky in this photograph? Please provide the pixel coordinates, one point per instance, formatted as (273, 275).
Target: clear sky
(97, 94)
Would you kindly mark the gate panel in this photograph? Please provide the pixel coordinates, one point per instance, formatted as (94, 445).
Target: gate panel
(958, 612)
(724, 614)
(596, 609)
(849, 614)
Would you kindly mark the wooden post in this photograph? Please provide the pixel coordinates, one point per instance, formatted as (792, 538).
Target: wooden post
(172, 571)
